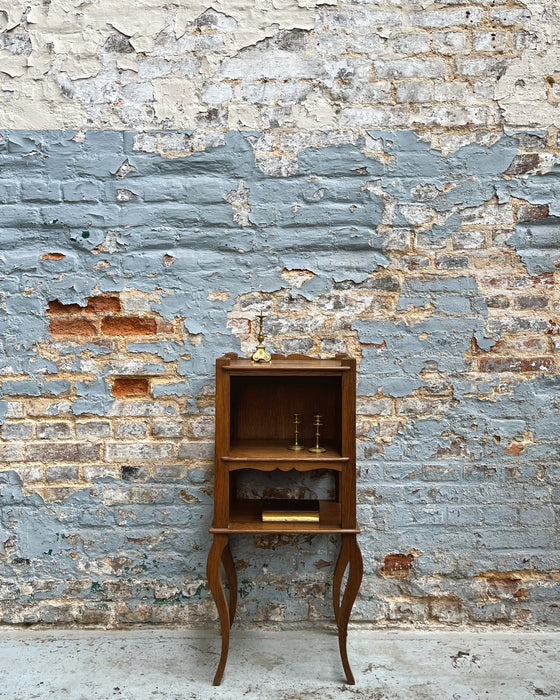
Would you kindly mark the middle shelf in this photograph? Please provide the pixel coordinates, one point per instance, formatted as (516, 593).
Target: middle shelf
(267, 455)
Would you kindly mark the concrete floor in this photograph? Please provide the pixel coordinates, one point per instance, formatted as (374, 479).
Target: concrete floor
(179, 665)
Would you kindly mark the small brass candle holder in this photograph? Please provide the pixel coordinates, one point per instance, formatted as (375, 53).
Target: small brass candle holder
(296, 447)
(260, 354)
(317, 449)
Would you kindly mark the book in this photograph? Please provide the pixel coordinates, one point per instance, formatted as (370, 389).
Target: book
(287, 510)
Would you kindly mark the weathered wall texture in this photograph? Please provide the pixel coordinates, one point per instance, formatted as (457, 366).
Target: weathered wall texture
(382, 178)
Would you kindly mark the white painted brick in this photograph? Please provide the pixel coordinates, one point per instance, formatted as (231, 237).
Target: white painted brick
(486, 67)
(448, 115)
(415, 91)
(490, 41)
(402, 68)
(279, 64)
(412, 44)
(510, 16)
(446, 18)
(271, 92)
(332, 44)
(452, 91)
(372, 19)
(370, 45)
(450, 43)
(216, 93)
(485, 89)
(374, 116)
(364, 92)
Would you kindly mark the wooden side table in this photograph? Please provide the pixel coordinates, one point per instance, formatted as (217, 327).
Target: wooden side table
(255, 404)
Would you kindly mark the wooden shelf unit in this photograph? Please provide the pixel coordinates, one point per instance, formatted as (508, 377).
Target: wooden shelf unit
(255, 405)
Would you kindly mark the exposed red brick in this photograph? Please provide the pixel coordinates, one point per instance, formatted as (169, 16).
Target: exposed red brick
(164, 326)
(544, 280)
(95, 305)
(523, 163)
(53, 256)
(532, 212)
(130, 386)
(397, 565)
(128, 325)
(516, 364)
(98, 305)
(57, 307)
(70, 327)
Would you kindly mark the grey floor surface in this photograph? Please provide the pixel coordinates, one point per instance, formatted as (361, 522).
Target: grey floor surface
(180, 664)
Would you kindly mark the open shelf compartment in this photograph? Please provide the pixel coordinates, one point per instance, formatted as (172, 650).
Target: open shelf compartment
(262, 409)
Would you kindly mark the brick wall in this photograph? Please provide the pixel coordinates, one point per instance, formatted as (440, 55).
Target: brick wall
(380, 179)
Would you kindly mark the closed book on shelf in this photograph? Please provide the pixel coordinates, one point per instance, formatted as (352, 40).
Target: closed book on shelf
(287, 510)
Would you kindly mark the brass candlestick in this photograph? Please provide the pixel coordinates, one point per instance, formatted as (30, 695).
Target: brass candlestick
(317, 425)
(260, 354)
(296, 447)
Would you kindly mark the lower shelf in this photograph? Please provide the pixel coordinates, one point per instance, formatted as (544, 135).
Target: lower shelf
(246, 516)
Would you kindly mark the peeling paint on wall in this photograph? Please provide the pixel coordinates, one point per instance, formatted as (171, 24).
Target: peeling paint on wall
(116, 309)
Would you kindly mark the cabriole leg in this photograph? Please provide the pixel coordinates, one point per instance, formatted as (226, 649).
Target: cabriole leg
(349, 554)
(219, 545)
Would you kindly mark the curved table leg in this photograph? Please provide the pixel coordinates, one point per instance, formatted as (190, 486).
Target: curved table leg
(340, 568)
(229, 567)
(352, 587)
(217, 589)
